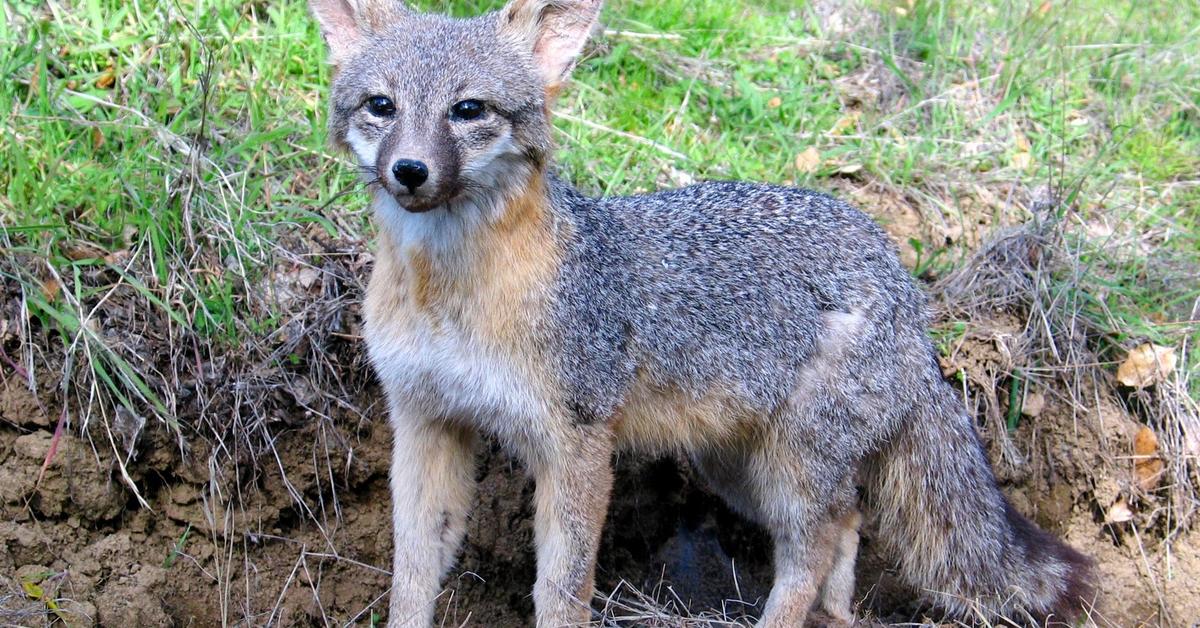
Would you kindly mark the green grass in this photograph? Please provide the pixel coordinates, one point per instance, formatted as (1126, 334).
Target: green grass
(165, 149)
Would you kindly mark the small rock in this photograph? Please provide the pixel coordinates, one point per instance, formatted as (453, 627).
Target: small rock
(78, 614)
(1034, 404)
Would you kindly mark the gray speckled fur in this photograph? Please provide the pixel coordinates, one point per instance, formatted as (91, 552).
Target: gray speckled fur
(724, 284)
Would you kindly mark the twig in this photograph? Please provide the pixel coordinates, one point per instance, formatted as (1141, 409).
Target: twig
(629, 136)
(608, 32)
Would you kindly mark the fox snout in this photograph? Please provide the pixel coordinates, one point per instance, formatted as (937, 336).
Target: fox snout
(410, 173)
(417, 181)
(415, 165)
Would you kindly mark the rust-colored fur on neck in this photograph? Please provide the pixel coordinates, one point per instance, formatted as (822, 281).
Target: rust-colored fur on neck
(492, 283)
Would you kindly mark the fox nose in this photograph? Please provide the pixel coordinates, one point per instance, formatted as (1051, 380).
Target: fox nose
(410, 173)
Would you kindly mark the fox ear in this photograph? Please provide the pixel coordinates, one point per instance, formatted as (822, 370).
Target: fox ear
(346, 23)
(554, 32)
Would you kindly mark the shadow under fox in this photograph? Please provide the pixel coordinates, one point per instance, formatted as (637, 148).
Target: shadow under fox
(769, 332)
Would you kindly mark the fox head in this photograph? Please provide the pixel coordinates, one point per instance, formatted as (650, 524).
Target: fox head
(439, 110)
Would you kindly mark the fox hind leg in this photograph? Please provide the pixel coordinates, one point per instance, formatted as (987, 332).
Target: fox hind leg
(837, 591)
(810, 515)
(807, 536)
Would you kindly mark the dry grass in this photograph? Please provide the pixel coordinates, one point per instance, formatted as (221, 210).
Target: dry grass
(1041, 273)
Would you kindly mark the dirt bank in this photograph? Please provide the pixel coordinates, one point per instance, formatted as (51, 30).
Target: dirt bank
(188, 559)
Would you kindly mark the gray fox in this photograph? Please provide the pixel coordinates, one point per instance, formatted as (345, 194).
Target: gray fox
(768, 332)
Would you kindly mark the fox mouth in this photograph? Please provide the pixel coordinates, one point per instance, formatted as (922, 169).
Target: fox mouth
(420, 202)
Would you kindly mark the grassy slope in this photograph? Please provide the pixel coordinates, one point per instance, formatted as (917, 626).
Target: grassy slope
(1098, 97)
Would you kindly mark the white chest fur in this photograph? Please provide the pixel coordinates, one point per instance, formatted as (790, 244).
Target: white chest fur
(446, 373)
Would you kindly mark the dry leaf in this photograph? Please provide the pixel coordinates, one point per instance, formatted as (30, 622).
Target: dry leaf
(775, 102)
(850, 168)
(1044, 8)
(1118, 512)
(35, 79)
(76, 250)
(809, 160)
(1146, 365)
(106, 80)
(308, 276)
(1022, 143)
(1148, 468)
(117, 258)
(679, 178)
(844, 123)
(97, 138)
(50, 289)
(1022, 158)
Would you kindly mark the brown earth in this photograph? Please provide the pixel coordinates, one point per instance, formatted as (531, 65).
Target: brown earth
(83, 536)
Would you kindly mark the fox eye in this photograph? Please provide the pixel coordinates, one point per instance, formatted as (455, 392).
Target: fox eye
(381, 106)
(466, 109)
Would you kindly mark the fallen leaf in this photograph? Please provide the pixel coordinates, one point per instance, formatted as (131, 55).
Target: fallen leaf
(308, 276)
(106, 79)
(116, 258)
(33, 590)
(850, 168)
(1022, 142)
(679, 178)
(1118, 512)
(1146, 365)
(36, 592)
(809, 160)
(97, 138)
(1044, 8)
(76, 250)
(50, 289)
(775, 102)
(35, 79)
(1022, 158)
(1148, 467)
(844, 123)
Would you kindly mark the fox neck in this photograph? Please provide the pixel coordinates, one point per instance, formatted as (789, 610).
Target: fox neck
(478, 249)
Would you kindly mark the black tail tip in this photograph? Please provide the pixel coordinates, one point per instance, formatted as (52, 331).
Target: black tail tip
(1077, 595)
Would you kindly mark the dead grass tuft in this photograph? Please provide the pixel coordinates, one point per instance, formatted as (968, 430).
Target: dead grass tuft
(627, 605)
(1050, 276)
